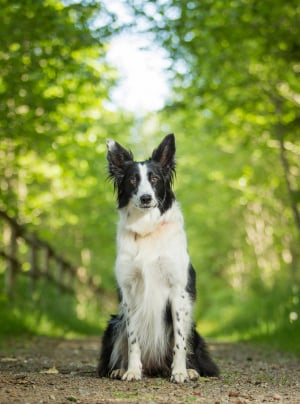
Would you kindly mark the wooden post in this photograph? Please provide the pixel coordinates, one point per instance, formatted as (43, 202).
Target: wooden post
(33, 261)
(68, 276)
(11, 263)
(46, 261)
(60, 273)
(73, 279)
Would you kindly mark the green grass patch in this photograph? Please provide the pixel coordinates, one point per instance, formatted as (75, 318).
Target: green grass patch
(46, 311)
(270, 316)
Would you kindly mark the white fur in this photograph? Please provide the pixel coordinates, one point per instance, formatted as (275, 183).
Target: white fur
(144, 188)
(152, 269)
(153, 329)
(111, 144)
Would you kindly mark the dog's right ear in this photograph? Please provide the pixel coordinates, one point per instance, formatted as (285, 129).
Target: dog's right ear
(117, 158)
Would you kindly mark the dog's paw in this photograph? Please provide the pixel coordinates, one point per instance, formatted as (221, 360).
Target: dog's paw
(117, 374)
(179, 377)
(193, 374)
(132, 376)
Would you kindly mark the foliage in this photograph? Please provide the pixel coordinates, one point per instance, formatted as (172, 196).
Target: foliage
(55, 115)
(54, 119)
(235, 109)
(45, 312)
(235, 112)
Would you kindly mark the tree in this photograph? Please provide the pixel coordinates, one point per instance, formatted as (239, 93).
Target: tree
(236, 99)
(45, 60)
(54, 87)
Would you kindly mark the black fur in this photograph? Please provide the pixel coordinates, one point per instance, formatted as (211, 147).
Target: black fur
(198, 357)
(123, 170)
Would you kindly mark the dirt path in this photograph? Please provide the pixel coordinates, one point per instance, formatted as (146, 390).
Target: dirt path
(46, 370)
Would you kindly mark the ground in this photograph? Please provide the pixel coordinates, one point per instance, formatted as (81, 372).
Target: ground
(44, 370)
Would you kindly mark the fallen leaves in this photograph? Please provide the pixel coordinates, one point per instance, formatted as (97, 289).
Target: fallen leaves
(50, 371)
(57, 376)
(8, 359)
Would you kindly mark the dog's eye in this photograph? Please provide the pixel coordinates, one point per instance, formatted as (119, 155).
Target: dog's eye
(154, 179)
(132, 181)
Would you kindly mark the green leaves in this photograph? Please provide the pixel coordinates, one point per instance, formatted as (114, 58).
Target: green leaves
(54, 85)
(234, 110)
(236, 86)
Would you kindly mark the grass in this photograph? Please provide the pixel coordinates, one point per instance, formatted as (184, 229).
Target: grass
(261, 317)
(47, 311)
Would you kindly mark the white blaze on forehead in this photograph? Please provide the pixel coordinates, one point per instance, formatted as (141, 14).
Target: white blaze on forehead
(144, 188)
(144, 185)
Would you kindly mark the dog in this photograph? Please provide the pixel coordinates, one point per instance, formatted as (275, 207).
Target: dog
(153, 334)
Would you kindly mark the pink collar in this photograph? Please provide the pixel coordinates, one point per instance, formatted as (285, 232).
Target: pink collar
(137, 235)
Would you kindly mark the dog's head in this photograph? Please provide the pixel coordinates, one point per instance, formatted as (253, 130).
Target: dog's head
(144, 184)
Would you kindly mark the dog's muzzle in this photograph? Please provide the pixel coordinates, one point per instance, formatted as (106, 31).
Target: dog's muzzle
(146, 201)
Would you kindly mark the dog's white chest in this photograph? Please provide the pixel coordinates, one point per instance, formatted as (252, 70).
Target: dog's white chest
(158, 259)
(151, 266)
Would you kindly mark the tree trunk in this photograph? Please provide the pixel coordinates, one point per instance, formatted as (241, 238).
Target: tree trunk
(293, 203)
(286, 169)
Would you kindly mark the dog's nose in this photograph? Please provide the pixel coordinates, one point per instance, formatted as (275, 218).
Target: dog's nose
(145, 199)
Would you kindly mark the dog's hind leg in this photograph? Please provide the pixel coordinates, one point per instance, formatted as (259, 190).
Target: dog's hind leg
(117, 373)
(113, 357)
(193, 374)
(199, 358)
(107, 346)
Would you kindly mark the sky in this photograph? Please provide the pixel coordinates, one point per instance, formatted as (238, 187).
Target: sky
(143, 84)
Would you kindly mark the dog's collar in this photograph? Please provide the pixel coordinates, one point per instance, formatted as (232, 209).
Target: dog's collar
(140, 236)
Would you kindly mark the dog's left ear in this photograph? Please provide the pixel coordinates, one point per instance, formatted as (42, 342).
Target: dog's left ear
(165, 153)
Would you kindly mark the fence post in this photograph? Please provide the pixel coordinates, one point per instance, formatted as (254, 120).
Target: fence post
(11, 263)
(46, 261)
(33, 261)
(68, 277)
(60, 273)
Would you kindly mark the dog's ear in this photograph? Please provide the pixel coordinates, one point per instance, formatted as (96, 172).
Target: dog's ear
(165, 153)
(117, 158)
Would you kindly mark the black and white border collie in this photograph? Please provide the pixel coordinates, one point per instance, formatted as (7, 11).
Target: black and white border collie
(153, 334)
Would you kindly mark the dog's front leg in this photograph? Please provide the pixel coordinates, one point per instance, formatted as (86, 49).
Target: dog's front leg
(181, 313)
(134, 371)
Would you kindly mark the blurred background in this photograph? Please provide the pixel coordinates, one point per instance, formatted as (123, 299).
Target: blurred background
(224, 77)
